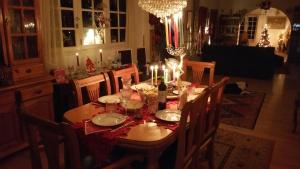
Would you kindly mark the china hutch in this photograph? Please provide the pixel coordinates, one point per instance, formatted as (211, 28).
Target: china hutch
(24, 82)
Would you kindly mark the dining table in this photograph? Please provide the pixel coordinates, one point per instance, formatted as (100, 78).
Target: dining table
(149, 136)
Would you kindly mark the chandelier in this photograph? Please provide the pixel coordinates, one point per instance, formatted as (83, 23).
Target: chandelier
(162, 8)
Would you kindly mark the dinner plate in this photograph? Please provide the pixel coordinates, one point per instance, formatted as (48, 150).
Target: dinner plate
(142, 86)
(108, 119)
(168, 115)
(109, 99)
(132, 104)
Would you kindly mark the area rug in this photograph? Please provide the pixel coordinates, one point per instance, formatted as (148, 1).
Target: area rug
(239, 151)
(242, 110)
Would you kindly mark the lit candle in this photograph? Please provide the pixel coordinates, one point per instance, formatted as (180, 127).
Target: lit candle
(164, 70)
(77, 58)
(174, 72)
(151, 68)
(167, 74)
(100, 52)
(155, 69)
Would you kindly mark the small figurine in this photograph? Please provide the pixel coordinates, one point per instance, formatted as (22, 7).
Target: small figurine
(90, 67)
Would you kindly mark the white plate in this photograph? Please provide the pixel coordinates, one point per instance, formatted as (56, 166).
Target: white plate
(175, 92)
(168, 115)
(109, 99)
(142, 86)
(108, 119)
(132, 104)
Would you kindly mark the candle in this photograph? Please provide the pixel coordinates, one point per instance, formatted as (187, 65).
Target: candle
(100, 52)
(174, 72)
(155, 69)
(151, 68)
(167, 33)
(167, 74)
(164, 72)
(77, 58)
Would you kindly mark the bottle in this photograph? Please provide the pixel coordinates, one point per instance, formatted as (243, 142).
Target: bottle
(162, 95)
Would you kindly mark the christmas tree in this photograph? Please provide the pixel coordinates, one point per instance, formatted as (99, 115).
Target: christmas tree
(264, 39)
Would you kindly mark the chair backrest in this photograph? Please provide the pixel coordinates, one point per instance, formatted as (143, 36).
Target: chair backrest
(72, 149)
(46, 132)
(188, 132)
(211, 119)
(125, 56)
(198, 69)
(125, 73)
(92, 85)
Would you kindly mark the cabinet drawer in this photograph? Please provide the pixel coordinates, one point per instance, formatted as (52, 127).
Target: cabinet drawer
(24, 72)
(36, 91)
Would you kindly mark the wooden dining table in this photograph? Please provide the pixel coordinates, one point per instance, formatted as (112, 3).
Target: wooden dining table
(147, 138)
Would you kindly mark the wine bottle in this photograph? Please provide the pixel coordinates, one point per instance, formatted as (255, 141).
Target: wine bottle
(162, 95)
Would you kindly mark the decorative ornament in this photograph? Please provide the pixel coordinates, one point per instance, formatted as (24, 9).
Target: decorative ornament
(162, 8)
(90, 67)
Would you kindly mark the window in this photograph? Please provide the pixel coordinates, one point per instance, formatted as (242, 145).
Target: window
(252, 21)
(117, 20)
(67, 23)
(93, 21)
(84, 22)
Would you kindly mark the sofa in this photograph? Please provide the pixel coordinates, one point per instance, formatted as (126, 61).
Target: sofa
(243, 61)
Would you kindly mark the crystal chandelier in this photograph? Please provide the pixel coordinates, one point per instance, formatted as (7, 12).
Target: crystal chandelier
(162, 8)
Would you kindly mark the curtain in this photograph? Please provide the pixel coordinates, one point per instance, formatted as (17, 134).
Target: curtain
(50, 26)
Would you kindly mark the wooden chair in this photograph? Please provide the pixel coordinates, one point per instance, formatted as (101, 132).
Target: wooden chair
(209, 121)
(92, 85)
(48, 134)
(141, 59)
(73, 152)
(52, 135)
(198, 69)
(188, 133)
(125, 74)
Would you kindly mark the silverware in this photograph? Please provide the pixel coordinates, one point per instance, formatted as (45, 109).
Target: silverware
(125, 125)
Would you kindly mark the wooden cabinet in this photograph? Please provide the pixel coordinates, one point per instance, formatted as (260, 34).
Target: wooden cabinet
(20, 22)
(34, 96)
(228, 28)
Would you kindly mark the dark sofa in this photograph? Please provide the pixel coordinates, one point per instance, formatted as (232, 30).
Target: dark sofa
(243, 61)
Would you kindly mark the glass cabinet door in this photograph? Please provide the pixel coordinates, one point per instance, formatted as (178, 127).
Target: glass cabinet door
(22, 30)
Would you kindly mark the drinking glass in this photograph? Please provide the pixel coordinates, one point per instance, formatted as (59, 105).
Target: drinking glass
(125, 96)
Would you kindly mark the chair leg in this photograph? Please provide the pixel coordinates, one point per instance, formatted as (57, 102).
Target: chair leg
(295, 118)
(210, 154)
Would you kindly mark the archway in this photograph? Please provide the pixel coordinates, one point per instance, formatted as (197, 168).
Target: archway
(278, 27)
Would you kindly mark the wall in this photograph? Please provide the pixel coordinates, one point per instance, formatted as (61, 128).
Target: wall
(262, 20)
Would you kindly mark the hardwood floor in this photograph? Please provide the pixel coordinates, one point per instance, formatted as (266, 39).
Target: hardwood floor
(274, 122)
(276, 118)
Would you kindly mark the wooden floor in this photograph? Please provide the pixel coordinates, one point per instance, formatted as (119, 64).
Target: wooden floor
(274, 122)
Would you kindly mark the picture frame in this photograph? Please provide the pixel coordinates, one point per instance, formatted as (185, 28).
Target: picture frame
(276, 22)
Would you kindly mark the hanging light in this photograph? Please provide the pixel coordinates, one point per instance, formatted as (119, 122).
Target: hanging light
(162, 8)
(265, 4)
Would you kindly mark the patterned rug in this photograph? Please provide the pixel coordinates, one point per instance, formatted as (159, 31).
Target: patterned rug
(239, 151)
(242, 110)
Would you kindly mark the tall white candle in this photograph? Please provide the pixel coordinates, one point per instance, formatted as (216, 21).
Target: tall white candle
(151, 68)
(174, 72)
(167, 75)
(155, 69)
(164, 71)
